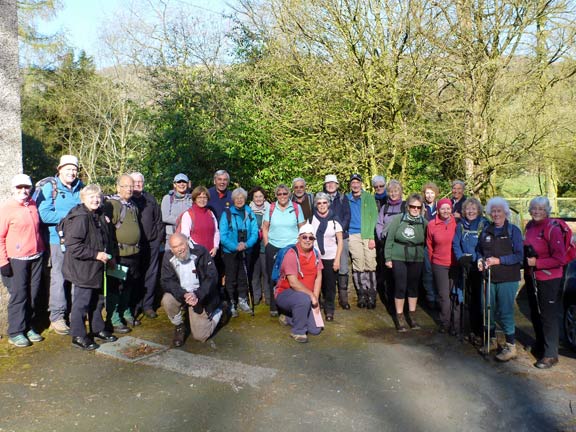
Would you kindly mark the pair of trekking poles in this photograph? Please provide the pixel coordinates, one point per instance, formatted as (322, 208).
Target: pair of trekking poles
(486, 310)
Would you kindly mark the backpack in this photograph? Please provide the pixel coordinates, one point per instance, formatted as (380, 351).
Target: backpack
(229, 217)
(569, 244)
(279, 258)
(273, 206)
(40, 184)
(123, 210)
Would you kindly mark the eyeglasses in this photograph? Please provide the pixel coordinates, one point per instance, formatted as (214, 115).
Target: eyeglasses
(308, 238)
(127, 186)
(281, 193)
(322, 203)
(379, 186)
(299, 187)
(415, 207)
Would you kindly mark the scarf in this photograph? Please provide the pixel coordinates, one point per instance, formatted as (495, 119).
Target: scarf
(259, 210)
(322, 228)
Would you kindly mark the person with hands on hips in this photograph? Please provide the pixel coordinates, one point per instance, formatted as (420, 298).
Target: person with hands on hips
(299, 286)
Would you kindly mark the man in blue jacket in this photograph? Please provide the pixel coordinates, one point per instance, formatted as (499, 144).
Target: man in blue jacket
(54, 202)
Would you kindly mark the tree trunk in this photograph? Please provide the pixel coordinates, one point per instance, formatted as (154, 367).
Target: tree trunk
(10, 132)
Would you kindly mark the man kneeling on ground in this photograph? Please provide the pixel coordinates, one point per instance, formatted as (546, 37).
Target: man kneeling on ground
(189, 278)
(299, 286)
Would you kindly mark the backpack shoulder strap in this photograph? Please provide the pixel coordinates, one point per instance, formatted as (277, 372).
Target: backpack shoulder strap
(271, 210)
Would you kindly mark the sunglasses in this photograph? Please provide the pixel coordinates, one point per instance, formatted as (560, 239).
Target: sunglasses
(23, 187)
(322, 203)
(415, 207)
(310, 238)
(282, 194)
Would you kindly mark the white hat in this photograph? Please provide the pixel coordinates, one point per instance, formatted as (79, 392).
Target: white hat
(68, 160)
(331, 178)
(306, 229)
(21, 180)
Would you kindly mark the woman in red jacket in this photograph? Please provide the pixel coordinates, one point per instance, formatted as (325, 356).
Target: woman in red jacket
(21, 249)
(439, 235)
(545, 253)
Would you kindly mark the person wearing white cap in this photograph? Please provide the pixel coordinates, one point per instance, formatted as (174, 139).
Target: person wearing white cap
(55, 200)
(21, 249)
(175, 202)
(299, 285)
(340, 205)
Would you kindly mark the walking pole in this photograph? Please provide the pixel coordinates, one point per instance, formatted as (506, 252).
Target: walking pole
(249, 279)
(535, 285)
(464, 304)
(488, 307)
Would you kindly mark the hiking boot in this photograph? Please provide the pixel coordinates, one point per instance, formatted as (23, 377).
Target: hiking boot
(283, 319)
(493, 346)
(299, 338)
(546, 362)
(60, 327)
(19, 341)
(179, 334)
(243, 305)
(412, 322)
(233, 311)
(401, 324)
(33, 336)
(507, 353)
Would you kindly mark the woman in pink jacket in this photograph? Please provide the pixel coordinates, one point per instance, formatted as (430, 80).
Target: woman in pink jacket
(21, 249)
(439, 235)
(544, 257)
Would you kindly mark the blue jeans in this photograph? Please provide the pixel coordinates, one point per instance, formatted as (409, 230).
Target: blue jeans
(502, 299)
(299, 305)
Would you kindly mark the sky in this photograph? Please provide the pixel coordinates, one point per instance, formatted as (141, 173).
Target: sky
(80, 19)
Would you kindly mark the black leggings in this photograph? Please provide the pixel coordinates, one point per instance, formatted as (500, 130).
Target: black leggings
(406, 278)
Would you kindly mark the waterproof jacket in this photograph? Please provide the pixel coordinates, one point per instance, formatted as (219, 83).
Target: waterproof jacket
(150, 216)
(232, 222)
(466, 237)
(547, 241)
(439, 236)
(85, 234)
(52, 211)
(406, 238)
(208, 293)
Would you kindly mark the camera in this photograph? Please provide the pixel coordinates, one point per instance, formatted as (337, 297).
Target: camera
(242, 236)
(529, 252)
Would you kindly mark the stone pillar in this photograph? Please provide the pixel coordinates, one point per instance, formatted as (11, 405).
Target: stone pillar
(10, 132)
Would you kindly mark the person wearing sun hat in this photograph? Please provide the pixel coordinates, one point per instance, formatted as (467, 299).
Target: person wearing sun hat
(299, 286)
(21, 249)
(54, 201)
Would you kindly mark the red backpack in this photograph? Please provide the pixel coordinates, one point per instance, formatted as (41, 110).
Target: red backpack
(569, 244)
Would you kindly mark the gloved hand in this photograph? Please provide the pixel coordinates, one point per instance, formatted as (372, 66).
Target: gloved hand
(465, 261)
(6, 270)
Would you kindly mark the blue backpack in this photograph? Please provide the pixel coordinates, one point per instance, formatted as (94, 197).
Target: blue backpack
(275, 277)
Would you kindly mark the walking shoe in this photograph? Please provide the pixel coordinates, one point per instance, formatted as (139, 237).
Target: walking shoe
(19, 341)
(122, 328)
(401, 325)
(507, 353)
(60, 327)
(493, 346)
(105, 336)
(149, 313)
(546, 362)
(179, 335)
(412, 322)
(243, 305)
(33, 336)
(233, 311)
(86, 343)
(299, 338)
(283, 319)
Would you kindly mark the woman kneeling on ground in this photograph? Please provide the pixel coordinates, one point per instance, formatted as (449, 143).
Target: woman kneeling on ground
(404, 251)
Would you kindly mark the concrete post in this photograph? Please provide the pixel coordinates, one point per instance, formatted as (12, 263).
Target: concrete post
(10, 131)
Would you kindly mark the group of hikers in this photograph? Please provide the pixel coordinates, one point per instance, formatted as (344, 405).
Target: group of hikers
(219, 252)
